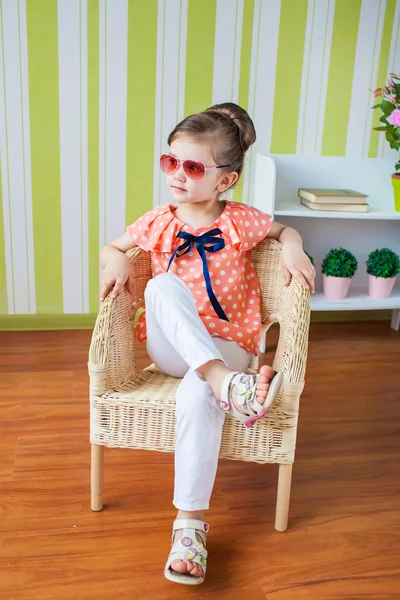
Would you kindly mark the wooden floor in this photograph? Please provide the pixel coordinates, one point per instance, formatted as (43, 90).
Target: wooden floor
(343, 539)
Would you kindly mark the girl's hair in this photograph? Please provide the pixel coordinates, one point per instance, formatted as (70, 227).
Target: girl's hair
(226, 128)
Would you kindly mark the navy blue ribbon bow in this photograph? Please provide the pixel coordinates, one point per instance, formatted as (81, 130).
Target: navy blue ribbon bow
(217, 244)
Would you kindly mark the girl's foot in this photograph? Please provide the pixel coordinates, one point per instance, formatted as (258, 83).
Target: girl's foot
(193, 546)
(187, 566)
(266, 376)
(215, 371)
(240, 394)
(246, 396)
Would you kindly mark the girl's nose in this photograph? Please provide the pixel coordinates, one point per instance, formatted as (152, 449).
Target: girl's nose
(180, 173)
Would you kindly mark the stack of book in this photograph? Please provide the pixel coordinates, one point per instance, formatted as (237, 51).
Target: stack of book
(333, 200)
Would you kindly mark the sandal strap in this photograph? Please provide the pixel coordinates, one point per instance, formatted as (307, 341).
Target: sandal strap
(189, 529)
(192, 524)
(246, 392)
(187, 547)
(245, 387)
(196, 553)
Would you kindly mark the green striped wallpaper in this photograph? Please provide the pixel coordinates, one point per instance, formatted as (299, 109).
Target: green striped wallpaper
(93, 152)
(289, 69)
(383, 68)
(100, 85)
(343, 50)
(201, 16)
(44, 108)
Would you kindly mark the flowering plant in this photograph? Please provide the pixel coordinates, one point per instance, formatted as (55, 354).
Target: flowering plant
(390, 106)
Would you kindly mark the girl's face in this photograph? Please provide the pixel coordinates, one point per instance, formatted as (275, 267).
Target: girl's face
(186, 191)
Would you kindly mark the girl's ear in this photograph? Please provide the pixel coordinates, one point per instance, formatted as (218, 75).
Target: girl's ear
(227, 181)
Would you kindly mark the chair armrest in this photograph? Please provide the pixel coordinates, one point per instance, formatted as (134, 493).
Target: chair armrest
(112, 349)
(287, 305)
(294, 321)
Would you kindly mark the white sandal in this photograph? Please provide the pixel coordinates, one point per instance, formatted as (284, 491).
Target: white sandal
(188, 548)
(245, 386)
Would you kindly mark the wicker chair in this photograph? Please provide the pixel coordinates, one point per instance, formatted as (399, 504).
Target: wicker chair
(130, 408)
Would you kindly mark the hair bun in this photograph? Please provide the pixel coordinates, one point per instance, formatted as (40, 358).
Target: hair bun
(240, 118)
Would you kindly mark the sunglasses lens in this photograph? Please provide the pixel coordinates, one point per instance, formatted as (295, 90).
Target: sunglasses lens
(168, 164)
(193, 169)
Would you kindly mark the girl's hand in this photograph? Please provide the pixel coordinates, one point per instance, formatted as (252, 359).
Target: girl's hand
(296, 262)
(117, 273)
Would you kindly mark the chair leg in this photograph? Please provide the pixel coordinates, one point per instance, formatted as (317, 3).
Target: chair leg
(283, 497)
(395, 324)
(97, 477)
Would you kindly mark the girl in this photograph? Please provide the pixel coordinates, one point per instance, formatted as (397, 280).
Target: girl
(202, 319)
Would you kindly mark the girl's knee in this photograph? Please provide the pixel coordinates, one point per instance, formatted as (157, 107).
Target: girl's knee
(163, 279)
(165, 282)
(156, 282)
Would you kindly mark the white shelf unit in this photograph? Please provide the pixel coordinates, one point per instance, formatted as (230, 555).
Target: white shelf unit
(295, 209)
(356, 299)
(289, 206)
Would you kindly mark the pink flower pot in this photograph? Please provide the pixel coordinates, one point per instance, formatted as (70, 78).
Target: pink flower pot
(336, 288)
(380, 287)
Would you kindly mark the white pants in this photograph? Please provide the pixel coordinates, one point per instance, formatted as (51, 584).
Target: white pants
(179, 343)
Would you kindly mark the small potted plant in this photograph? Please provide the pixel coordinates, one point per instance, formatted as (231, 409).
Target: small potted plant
(338, 268)
(390, 124)
(382, 267)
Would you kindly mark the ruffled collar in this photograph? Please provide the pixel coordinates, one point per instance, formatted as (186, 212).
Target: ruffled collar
(241, 226)
(172, 208)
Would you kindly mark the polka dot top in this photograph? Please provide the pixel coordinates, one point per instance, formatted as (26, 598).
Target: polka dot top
(232, 274)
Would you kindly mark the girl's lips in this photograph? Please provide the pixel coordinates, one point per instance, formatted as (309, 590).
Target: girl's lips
(178, 189)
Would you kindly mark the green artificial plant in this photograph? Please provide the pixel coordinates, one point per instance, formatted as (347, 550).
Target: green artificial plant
(339, 262)
(383, 262)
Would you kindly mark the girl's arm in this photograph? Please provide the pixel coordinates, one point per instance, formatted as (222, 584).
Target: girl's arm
(117, 268)
(295, 260)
